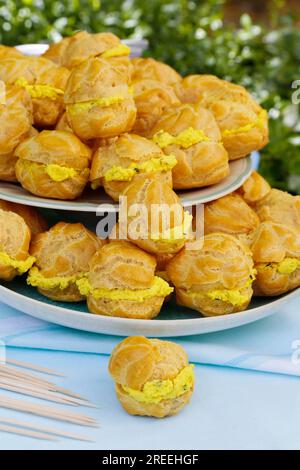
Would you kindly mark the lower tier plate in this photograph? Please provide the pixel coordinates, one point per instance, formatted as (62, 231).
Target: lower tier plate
(172, 321)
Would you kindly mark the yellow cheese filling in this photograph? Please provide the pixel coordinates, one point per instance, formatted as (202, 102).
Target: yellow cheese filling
(60, 173)
(118, 51)
(184, 139)
(159, 288)
(40, 91)
(21, 266)
(37, 279)
(235, 297)
(156, 391)
(259, 123)
(286, 266)
(176, 234)
(88, 105)
(118, 173)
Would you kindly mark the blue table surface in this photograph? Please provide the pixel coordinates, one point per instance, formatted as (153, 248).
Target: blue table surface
(230, 409)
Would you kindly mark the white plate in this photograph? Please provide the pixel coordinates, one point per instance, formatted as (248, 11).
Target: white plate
(172, 321)
(91, 200)
(137, 46)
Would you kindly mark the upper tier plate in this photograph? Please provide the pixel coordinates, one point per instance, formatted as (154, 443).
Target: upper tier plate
(91, 200)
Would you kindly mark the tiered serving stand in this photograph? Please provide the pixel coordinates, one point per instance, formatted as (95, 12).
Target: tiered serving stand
(173, 320)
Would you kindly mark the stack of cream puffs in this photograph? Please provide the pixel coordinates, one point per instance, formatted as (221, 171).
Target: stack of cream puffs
(86, 115)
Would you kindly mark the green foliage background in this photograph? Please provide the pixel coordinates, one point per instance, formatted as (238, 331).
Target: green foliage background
(191, 36)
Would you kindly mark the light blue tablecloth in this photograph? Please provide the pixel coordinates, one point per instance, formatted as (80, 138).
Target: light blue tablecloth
(231, 408)
(266, 345)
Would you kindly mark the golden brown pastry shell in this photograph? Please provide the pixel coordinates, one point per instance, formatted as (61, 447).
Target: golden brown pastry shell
(125, 150)
(15, 238)
(151, 69)
(201, 164)
(137, 360)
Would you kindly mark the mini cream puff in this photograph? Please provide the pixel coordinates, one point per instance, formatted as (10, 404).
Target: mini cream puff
(15, 239)
(279, 207)
(276, 253)
(151, 69)
(120, 162)
(98, 100)
(215, 278)
(53, 164)
(243, 123)
(16, 120)
(45, 83)
(254, 188)
(193, 136)
(156, 220)
(121, 282)
(6, 51)
(62, 257)
(32, 217)
(72, 51)
(152, 377)
(230, 214)
(151, 98)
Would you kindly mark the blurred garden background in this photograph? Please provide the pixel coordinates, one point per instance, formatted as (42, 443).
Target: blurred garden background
(255, 43)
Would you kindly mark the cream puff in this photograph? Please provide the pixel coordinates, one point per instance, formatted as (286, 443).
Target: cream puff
(121, 161)
(121, 282)
(254, 188)
(215, 278)
(152, 377)
(193, 136)
(16, 121)
(72, 51)
(243, 123)
(44, 81)
(53, 164)
(6, 51)
(279, 207)
(151, 69)
(33, 218)
(99, 101)
(151, 98)
(156, 220)
(15, 239)
(276, 253)
(62, 257)
(230, 214)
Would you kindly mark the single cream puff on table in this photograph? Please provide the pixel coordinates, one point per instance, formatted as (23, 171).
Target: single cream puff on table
(276, 253)
(215, 278)
(44, 81)
(15, 239)
(121, 282)
(151, 69)
(279, 207)
(53, 164)
(72, 51)
(152, 377)
(99, 102)
(156, 220)
(151, 98)
(230, 214)
(16, 121)
(33, 218)
(243, 123)
(62, 257)
(121, 161)
(254, 188)
(193, 136)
